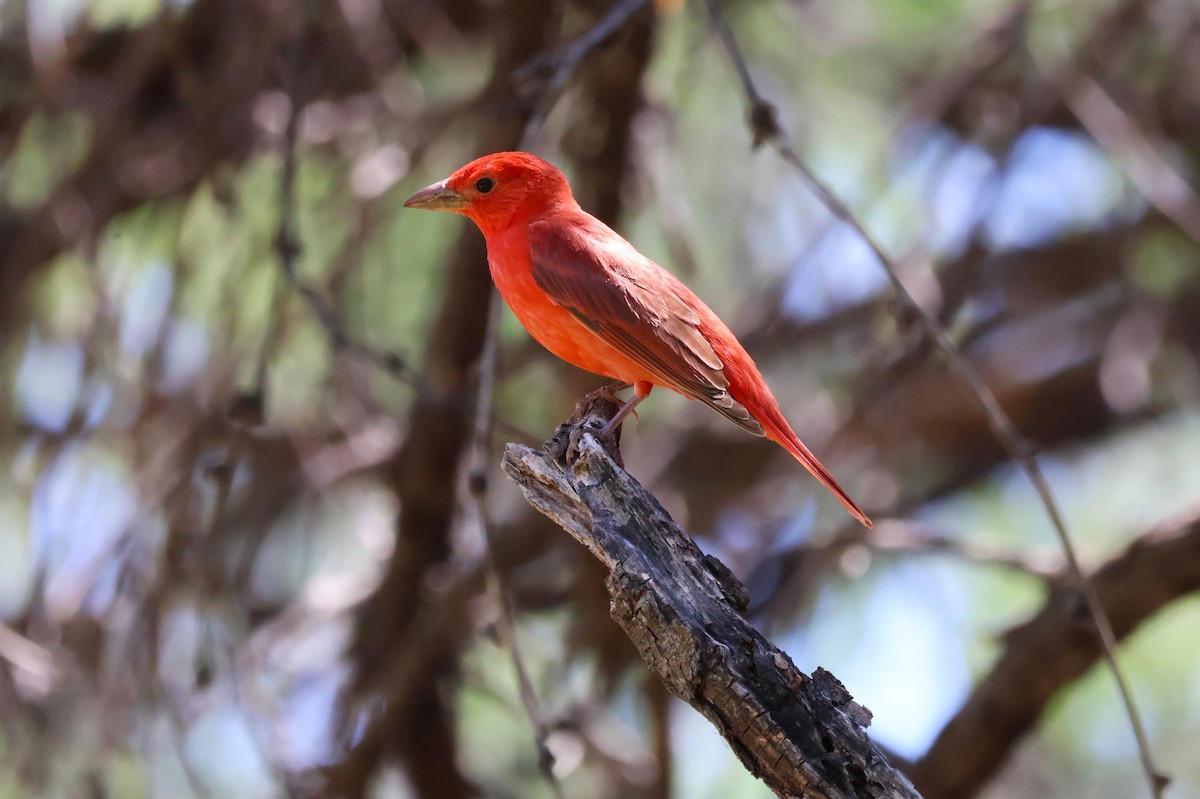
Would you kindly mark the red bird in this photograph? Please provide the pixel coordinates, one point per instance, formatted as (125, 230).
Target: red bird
(593, 300)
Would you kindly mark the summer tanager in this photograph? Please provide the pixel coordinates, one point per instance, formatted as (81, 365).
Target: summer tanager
(593, 300)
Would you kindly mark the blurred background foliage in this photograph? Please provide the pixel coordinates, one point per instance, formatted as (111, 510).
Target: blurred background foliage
(235, 555)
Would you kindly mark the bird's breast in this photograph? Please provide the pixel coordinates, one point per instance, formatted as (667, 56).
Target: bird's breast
(553, 326)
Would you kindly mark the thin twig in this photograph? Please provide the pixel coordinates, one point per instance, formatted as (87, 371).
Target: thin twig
(566, 63)
(288, 248)
(763, 118)
(38, 663)
(1050, 650)
(271, 335)
(391, 363)
(287, 243)
(894, 535)
(478, 486)
(1129, 146)
(564, 67)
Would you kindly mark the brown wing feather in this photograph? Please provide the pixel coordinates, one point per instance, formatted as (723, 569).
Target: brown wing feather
(610, 301)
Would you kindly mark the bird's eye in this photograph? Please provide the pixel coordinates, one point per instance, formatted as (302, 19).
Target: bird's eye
(484, 185)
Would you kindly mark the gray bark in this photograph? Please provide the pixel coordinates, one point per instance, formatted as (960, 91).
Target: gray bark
(682, 609)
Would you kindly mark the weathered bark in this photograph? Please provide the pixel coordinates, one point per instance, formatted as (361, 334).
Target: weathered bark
(682, 609)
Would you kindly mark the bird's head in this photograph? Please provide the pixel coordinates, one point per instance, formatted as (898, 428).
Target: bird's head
(498, 190)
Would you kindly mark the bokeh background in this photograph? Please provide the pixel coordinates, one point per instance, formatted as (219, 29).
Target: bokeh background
(237, 555)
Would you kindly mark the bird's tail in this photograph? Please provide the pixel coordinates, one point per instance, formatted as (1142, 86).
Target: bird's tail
(779, 431)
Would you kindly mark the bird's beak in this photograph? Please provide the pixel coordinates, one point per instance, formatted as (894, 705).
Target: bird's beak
(437, 197)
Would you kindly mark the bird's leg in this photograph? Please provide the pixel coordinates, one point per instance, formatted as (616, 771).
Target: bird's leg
(590, 406)
(596, 405)
(641, 390)
(608, 393)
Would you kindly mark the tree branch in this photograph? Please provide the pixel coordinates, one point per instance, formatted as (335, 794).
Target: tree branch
(682, 609)
(1053, 649)
(763, 118)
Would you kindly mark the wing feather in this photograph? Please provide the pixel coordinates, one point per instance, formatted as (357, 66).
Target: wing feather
(602, 288)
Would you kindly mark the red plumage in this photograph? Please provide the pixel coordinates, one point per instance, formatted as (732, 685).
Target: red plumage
(588, 296)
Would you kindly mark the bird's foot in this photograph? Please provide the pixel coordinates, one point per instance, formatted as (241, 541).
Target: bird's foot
(608, 392)
(614, 424)
(600, 413)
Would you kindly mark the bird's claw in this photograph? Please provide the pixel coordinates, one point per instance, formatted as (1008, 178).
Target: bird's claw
(606, 395)
(593, 414)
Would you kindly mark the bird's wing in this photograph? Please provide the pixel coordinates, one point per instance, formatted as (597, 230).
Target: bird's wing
(607, 285)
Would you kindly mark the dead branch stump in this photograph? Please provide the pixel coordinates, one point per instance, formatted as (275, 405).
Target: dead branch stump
(803, 736)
